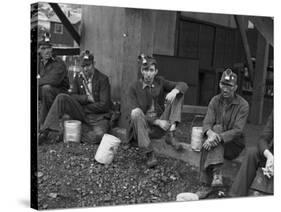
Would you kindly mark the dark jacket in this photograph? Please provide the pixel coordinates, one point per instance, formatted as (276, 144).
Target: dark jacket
(266, 138)
(233, 120)
(140, 97)
(54, 73)
(100, 91)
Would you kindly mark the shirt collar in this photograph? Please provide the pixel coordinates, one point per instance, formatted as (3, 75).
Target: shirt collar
(235, 100)
(144, 85)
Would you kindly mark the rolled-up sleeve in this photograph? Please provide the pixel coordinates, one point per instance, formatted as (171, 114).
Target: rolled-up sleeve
(170, 85)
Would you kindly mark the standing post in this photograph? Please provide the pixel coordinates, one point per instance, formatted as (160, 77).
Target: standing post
(259, 80)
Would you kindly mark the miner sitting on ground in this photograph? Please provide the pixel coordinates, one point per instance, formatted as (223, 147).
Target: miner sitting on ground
(53, 78)
(152, 113)
(89, 102)
(260, 155)
(223, 128)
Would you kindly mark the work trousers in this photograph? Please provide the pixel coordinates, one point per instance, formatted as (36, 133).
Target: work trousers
(47, 95)
(247, 172)
(142, 131)
(211, 161)
(65, 104)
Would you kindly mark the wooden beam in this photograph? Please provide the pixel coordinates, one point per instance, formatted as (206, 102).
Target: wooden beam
(66, 23)
(66, 51)
(259, 80)
(265, 26)
(240, 21)
(194, 109)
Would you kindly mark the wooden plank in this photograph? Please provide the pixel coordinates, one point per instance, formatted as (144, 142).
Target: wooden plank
(256, 111)
(194, 109)
(241, 25)
(206, 38)
(66, 51)
(188, 39)
(181, 69)
(72, 31)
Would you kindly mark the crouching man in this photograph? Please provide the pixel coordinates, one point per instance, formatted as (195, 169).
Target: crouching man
(88, 102)
(223, 128)
(156, 108)
(255, 157)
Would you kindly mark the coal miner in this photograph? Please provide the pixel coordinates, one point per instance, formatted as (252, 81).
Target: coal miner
(156, 105)
(260, 155)
(89, 102)
(223, 128)
(53, 77)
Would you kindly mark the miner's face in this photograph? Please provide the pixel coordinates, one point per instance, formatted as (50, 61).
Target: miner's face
(148, 73)
(227, 91)
(89, 69)
(45, 52)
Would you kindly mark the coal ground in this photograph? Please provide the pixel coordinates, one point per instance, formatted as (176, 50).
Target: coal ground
(69, 176)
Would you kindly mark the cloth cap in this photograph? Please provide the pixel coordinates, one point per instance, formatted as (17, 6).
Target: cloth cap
(228, 77)
(87, 58)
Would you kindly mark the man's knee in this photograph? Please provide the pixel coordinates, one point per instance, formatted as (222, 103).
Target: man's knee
(46, 89)
(136, 113)
(62, 97)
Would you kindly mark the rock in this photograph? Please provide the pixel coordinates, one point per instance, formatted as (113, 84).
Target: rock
(107, 198)
(45, 206)
(39, 174)
(53, 195)
(169, 194)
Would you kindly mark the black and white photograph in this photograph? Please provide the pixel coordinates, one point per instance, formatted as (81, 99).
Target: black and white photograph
(142, 105)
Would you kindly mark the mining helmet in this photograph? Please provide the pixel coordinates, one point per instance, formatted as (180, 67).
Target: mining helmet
(45, 40)
(87, 58)
(228, 77)
(146, 61)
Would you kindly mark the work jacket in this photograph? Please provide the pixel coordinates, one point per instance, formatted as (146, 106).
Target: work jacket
(232, 118)
(54, 73)
(100, 92)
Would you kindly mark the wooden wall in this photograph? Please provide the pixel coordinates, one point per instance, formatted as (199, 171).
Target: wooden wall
(102, 33)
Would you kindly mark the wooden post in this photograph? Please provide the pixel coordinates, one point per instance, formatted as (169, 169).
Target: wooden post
(240, 21)
(256, 110)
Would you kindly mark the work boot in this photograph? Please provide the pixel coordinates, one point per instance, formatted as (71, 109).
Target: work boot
(217, 180)
(204, 191)
(151, 160)
(173, 141)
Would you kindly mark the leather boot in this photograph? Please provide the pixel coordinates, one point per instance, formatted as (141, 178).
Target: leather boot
(151, 160)
(173, 141)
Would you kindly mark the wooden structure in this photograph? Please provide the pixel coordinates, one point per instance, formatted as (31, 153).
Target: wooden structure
(118, 35)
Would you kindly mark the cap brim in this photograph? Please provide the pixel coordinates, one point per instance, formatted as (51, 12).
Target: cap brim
(227, 83)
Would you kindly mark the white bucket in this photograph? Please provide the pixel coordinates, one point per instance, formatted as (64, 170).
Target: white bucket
(187, 197)
(107, 149)
(72, 131)
(196, 138)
